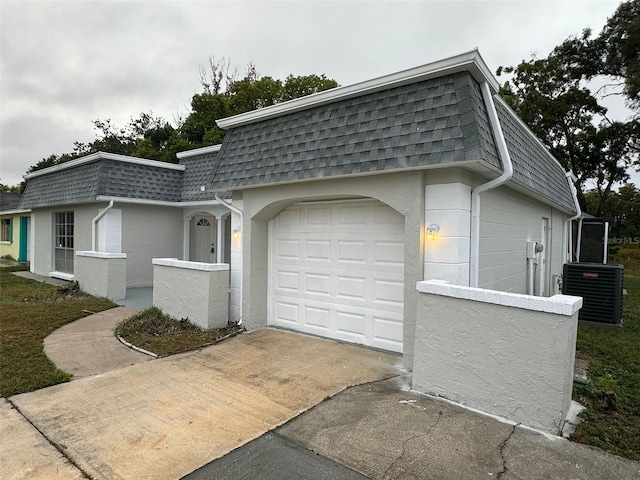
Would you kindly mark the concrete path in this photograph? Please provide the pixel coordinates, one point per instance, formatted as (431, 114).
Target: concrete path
(24, 453)
(166, 418)
(88, 346)
(384, 431)
(40, 278)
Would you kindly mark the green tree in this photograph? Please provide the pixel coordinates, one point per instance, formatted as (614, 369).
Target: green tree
(295, 87)
(613, 53)
(552, 96)
(567, 118)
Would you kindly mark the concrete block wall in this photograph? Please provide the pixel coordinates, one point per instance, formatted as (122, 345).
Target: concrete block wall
(506, 354)
(102, 274)
(446, 256)
(193, 290)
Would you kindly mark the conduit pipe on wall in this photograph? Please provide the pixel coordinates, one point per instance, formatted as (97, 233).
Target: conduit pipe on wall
(94, 225)
(568, 226)
(241, 215)
(503, 155)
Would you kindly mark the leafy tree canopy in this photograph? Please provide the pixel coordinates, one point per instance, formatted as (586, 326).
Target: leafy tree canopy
(553, 97)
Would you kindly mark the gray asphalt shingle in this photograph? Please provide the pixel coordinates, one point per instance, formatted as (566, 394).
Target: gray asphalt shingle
(431, 122)
(83, 183)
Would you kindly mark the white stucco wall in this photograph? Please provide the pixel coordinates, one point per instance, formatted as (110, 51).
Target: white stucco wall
(197, 291)
(149, 232)
(509, 219)
(506, 354)
(401, 191)
(102, 274)
(42, 260)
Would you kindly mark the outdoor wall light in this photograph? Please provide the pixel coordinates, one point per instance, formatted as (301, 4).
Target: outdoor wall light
(432, 230)
(236, 233)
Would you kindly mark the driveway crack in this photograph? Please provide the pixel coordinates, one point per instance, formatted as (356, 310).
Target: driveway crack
(505, 469)
(404, 444)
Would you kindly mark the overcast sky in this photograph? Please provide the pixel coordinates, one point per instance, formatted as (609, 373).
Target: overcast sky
(67, 63)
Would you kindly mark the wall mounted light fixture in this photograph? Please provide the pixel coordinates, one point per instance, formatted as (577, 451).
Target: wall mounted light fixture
(236, 233)
(432, 230)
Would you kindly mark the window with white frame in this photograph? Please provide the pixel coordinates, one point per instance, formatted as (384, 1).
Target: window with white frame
(63, 242)
(5, 230)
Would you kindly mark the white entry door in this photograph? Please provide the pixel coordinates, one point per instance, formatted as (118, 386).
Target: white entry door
(336, 269)
(204, 239)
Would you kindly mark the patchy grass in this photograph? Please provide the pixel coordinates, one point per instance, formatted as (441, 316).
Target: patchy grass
(163, 335)
(612, 418)
(31, 311)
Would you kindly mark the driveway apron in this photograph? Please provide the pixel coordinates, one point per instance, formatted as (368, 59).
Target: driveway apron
(164, 419)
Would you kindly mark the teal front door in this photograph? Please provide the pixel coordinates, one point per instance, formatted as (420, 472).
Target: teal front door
(24, 235)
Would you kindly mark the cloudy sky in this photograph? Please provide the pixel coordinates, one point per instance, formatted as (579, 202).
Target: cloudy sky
(67, 63)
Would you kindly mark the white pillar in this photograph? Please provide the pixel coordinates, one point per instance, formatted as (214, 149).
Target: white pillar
(185, 238)
(219, 245)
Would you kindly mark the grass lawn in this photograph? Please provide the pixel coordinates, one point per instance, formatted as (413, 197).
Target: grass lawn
(614, 358)
(163, 335)
(30, 312)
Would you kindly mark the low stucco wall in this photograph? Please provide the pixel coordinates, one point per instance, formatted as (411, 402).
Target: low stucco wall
(102, 274)
(193, 290)
(506, 354)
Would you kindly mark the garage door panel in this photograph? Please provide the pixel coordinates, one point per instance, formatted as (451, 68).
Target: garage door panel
(388, 253)
(351, 324)
(352, 215)
(318, 250)
(336, 269)
(289, 217)
(288, 280)
(287, 313)
(317, 283)
(352, 288)
(317, 318)
(386, 332)
(319, 216)
(288, 248)
(388, 292)
(352, 252)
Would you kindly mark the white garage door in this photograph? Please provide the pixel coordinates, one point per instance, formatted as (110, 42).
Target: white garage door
(336, 269)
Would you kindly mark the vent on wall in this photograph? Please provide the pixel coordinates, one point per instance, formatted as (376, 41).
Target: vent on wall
(600, 287)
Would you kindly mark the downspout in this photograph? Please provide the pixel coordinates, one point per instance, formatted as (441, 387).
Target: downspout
(239, 212)
(568, 230)
(94, 225)
(503, 155)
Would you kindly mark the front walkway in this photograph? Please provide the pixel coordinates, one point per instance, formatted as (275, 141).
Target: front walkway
(88, 346)
(137, 298)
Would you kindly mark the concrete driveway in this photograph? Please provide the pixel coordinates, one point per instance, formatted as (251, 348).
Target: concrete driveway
(164, 419)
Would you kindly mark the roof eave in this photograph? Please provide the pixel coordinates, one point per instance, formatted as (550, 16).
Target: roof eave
(102, 156)
(198, 151)
(471, 62)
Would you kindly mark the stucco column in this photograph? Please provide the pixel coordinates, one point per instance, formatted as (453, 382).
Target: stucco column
(185, 238)
(219, 244)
